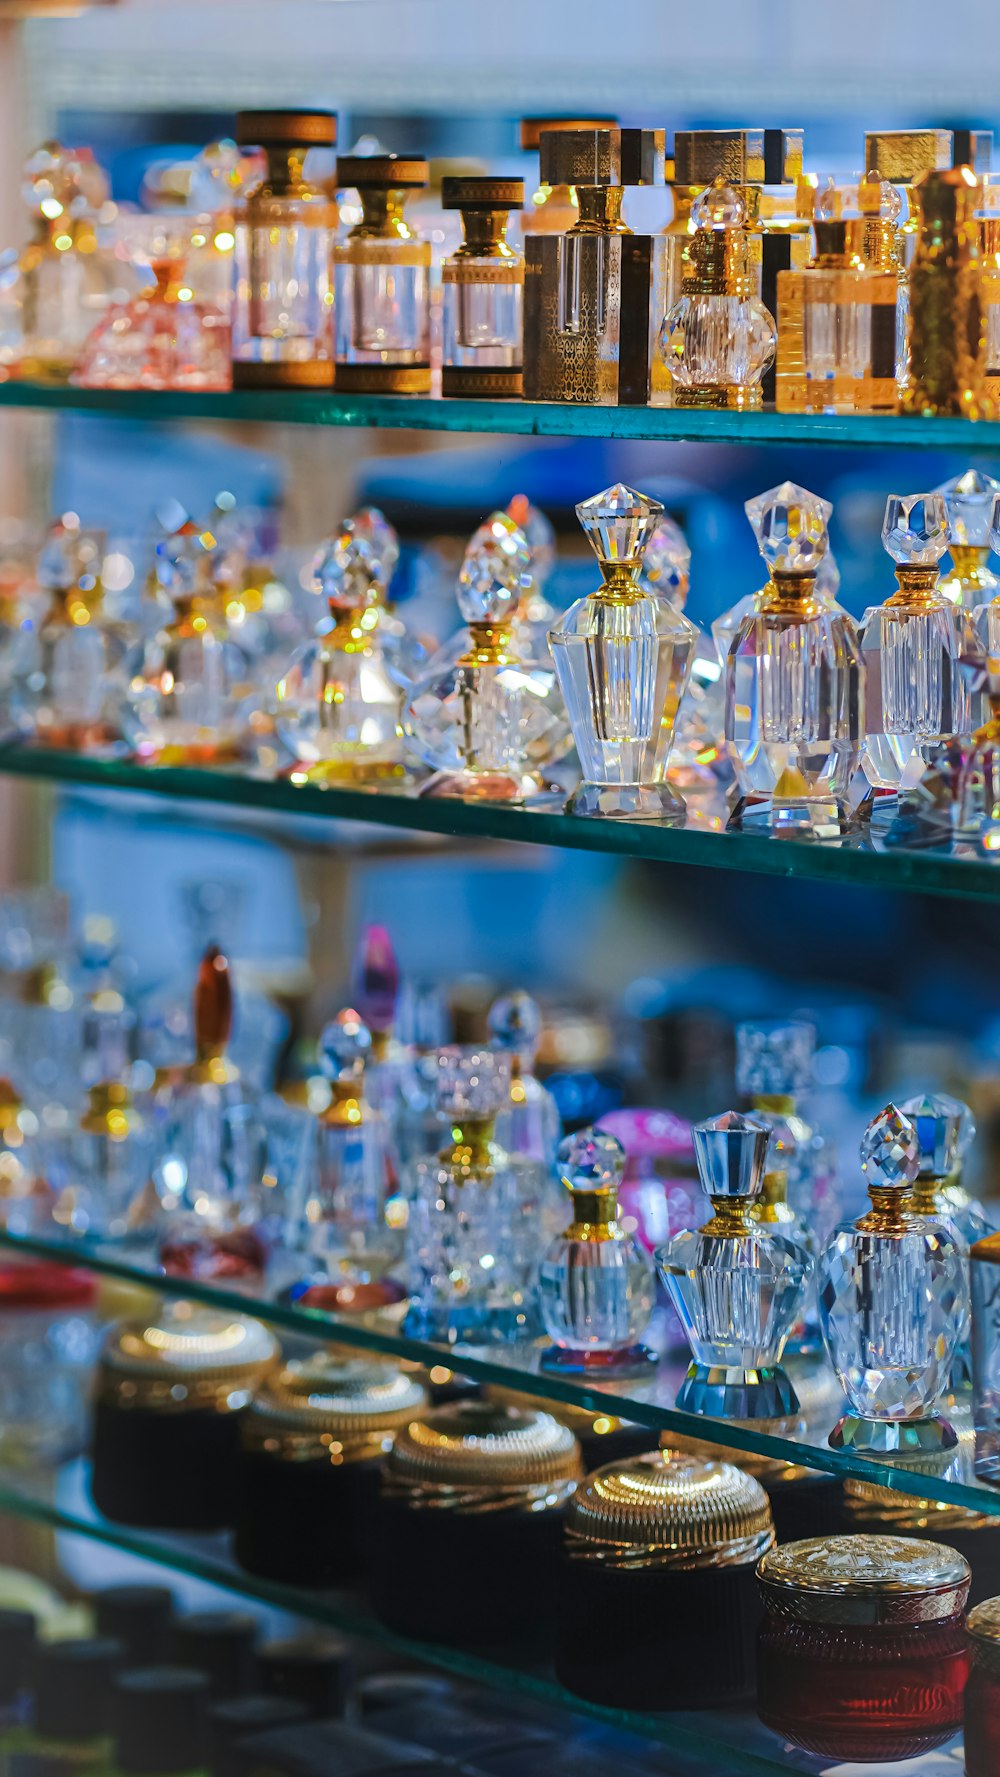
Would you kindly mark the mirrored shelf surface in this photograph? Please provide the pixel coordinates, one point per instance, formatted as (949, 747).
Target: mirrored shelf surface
(863, 858)
(517, 1367)
(706, 1743)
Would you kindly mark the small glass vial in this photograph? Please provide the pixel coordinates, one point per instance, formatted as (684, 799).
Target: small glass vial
(483, 291)
(982, 1693)
(382, 272)
(597, 1285)
(718, 339)
(282, 322)
(862, 1651)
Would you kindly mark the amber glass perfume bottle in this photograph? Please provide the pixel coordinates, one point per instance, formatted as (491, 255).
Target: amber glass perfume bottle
(381, 272)
(483, 291)
(282, 333)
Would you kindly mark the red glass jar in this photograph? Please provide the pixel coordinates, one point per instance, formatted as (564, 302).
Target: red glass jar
(982, 1696)
(862, 1651)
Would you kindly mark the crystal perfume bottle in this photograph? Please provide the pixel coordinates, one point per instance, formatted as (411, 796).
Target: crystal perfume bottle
(978, 812)
(528, 1126)
(25, 1199)
(169, 335)
(718, 339)
(459, 1242)
(788, 493)
(339, 704)
(947, 321)
(73, 682)
(282, 326)
(793, 677)
(945, 1131)
(774, 1067)
(588, 292)
(968, 501)
(736, 1284)
(483, 290)
(597, 1285)
(623, 658)
(482, 715)
(921, 653)
(698, 760)
(382, 272)
(891, 1294)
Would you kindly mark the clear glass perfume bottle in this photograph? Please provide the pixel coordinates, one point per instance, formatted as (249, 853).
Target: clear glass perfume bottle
(528, 1126)
(698, 761)
(282, 322)
(774, 1068)
(483, 290)
(793, 677)
(920, 652)
(736, 1284)
(623, 658)
(597, 1285)
(946, 1130)
(339, 703)
(482, 715)
(891, 1296)
(968, 501)
(787, 493)
(718, 339)
(459, 1243)
(73, 682)
(25, 1198)
(382, 273)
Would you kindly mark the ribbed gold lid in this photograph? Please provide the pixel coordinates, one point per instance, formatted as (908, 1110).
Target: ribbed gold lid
(692, 1512)
(286, 129)
(191, 1343)
(864, 1579)
(391, 172)
(906, 1513)
(983, 1622)
(765, 1469)
(474, 1443)
(329, 1393)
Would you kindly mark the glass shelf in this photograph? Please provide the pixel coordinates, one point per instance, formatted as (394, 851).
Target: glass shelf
(956, 871)
(732, 1740)
(647, 1402)
(533, 419)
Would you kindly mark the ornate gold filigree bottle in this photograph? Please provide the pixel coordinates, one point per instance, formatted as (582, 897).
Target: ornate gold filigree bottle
(947, 328)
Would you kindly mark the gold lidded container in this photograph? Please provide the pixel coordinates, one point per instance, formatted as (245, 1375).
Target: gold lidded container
(872, 1509)
(864, 1580)
(804, 1501)
(656, 1601)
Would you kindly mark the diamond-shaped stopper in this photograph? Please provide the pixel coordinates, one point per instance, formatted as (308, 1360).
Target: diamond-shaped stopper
(375, 978)
(774, 1058)
(915, 529)
(496, 571)
(787, 493)
(890, 1150)
(969, 501)
(945, 1130)
(591, 1160)
(471, 1082)
(666, 562)
(792, 537)
(186, 556)
(515, 1025)
(719, 206)
(731, 1151)
(619, 523)
(540, 534)
(344, 1045)
(354, 567)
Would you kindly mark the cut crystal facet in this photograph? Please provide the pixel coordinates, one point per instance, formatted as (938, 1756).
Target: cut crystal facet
(495, 572)
(787, 493)
(731, 1151)
(666, 561)
(890, 1149)
(619, 523)
(945, 1131)
(593, 1160)
(792, 537)
(969, 501)
(915, 529)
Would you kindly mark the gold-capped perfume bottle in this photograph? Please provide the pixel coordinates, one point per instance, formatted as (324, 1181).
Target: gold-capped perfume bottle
(946, 1131)
(718, 339)
(968, 501)
(623, 658)
(588, 292)
(483, 290)
(947, 321)
(382, 274)
(71, 686)
(902, 157)
(282, 329)
(552, 209)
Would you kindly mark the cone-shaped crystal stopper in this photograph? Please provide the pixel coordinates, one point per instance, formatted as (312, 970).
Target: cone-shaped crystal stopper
(619, 523)
(540, 534)
(666, 562)
(496, 571)
(731, 1151)
(343, 1047)
(213, 1003)
(515, 1024)
(945, 1130)
(774, 1058)
(471, 1082)
(969, 501)
(915, 529)
(719, 206)
(890, 1150)
(792, 536)
(375, 978)
(354, 567)
(591, 1160)
(787, 493)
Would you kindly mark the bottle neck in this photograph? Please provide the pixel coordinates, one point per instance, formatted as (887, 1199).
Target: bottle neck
(888, 1211)
(620, 582)
(285, 166)
(718, 263)
(382, 213)
(916, 586)
(600, 208)
(595, 1216)
(730, 1216)
(489, 645)
(470, 1151)
(968, 561)
(485, 233)
(109, 1110)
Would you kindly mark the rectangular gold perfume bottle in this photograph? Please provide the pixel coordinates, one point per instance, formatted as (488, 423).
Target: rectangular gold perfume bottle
(837, 317)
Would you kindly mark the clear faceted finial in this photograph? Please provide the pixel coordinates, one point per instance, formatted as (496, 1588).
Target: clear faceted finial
(774, 1058)
(666, 562)
(731, 1151)
(872, 197)
(591, 1160)
(969, 501)
(496, 571)
(344, 1046)
(945, 1131)
(787, 493)
(792, 535)
(515, 1025)
(619, 523)
(354, 567)
(890, 1150)
(915, 529)
(719, 206)
(471, 1082)
(540, 535)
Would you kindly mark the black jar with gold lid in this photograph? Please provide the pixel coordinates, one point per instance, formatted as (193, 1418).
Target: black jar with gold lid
(311, 1445)
(656, 1604)
(469, 1523)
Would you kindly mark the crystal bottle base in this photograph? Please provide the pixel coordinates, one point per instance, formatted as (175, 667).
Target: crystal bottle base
(721, 1392)
(885, 1437)
(634, 1360)
(812, 817)
(472, 786)
(628, 802)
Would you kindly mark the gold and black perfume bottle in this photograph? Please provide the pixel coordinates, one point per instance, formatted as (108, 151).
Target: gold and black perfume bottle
(483, 290)
(551, 209)
(381, 281)
(588, 291)
(946, 329)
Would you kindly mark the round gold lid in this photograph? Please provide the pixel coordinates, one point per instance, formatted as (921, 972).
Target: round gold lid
(292, 129)
(329, 1393)
(478, 1444)
(983, 1622)
(864, 1579)
(191, 1343)
(683, 1510)
(907, 1512)
(391, 172)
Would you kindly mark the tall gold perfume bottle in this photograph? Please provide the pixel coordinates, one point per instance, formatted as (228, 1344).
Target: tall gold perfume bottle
(483, 291)
(947, 331)
(588, 292)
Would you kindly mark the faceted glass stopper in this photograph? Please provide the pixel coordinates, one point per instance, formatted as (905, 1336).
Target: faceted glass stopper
(792, 537)
(354, 568)
(540, 534)
(496, 571)
(969, 502)
(344, 1045)
(890, 1150)
(185, 557)
(719, 206)
(375, 978)
(774, 1060)
(915, 529)
(591, 1160)
(945, 1130)
(471, 1082)
(666, 561)
(62, 181)
(731, 1151)
(619, 523)
(515, 1025)
(787, 493)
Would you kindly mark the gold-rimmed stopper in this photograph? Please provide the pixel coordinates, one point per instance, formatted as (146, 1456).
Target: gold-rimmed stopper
(672, 1510)
(864, 1579)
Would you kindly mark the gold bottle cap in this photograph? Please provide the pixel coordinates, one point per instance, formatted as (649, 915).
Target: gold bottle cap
(475, 1445)
(384, 172)
(864, 1579)
(532, 128)
(291, 129)
(906, 1514)
(741, 157)
(983, 1622)
(463, 192)
(188, 1342)
(987, 1250)
(669, 1510)
(602, 156)
(324, 1404)
(902, 155)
